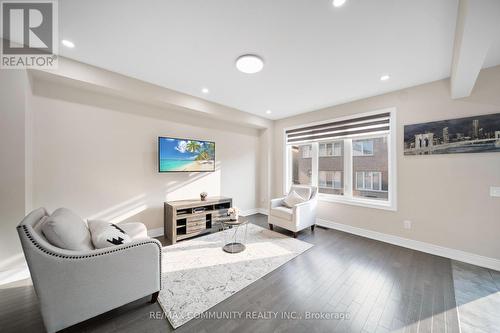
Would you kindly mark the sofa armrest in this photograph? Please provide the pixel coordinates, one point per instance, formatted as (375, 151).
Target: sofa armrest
(303, 207)
(276, 202)
(304, 204)
(304, 213)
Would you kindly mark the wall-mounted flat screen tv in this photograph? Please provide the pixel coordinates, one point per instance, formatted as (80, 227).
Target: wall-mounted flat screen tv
(185, 155)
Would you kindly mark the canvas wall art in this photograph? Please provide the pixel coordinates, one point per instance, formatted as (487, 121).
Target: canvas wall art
(462, 135)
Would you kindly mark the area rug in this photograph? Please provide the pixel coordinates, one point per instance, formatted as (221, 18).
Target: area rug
(197, 274)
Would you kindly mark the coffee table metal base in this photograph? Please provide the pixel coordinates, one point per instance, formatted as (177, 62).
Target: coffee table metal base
(234, 248)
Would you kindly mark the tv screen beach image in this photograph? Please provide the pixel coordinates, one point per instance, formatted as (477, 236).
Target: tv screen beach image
(178, 155)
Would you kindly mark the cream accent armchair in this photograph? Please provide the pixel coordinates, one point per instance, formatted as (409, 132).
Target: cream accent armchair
(73, 286)
(299, 217)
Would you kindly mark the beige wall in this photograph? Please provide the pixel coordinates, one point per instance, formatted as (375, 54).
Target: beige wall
(265, 167)
(445, 196)
(97, 155)
(13, 90)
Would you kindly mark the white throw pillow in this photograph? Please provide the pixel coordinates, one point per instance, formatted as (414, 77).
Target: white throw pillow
(67, 230)
(105, 234)
(303, 191)
(292, 199)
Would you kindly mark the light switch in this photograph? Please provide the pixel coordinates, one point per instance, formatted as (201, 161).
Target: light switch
(495, 191)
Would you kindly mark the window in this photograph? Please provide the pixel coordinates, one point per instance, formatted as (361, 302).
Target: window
(362, 147)
(351, 160)
(330, 179)
(330, 149)
(301, 164)
(369, 180)
(305, 151)
(371, 169)
(330, 168)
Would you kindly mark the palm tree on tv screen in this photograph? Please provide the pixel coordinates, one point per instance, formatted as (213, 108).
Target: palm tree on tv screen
(210, 150)
(205, 150)
(193, 146)
(203, 156)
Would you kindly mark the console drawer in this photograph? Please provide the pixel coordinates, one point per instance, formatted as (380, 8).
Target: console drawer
(196, 219)
(191, 229)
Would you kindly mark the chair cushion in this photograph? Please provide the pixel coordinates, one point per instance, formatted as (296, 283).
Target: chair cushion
(105, 234)
(292, 199)
(304, 191)
(67, 230)
(282, 212)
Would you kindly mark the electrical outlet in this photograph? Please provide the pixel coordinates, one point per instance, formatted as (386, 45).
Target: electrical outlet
(495, 191)
(407, 224)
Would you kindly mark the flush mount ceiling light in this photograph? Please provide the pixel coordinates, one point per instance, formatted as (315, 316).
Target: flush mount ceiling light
(268, 111)
(249, 63)
(384, 77)
(205, 90)
(68, 43)
(338, 3)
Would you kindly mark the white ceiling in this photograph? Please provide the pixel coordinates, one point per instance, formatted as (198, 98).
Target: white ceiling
(315, 55)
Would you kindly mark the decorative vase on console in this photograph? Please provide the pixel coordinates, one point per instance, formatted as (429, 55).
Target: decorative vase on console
(203, 196)
(233, 213)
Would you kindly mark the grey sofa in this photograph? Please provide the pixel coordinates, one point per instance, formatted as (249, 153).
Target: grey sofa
(73, 286)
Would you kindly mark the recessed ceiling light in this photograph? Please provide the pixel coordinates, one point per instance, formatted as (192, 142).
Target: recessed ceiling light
(385, 77)
(205, 90)
(68, 43)
(338, 3)
(268, 111)
(249, 63)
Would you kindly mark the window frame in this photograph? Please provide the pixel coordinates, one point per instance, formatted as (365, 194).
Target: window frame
(347, 197)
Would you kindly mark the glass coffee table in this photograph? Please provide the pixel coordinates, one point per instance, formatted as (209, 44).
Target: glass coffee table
(235, 234)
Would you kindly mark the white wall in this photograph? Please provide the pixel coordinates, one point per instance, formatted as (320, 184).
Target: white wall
(97, 155)
(445, 196)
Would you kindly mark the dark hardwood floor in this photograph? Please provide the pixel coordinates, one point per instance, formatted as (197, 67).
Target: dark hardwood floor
(381, 287)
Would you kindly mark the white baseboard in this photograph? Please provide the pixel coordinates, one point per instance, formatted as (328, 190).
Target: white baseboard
(254, 211)
(263, 211)
(470, 258)
(249, 212)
